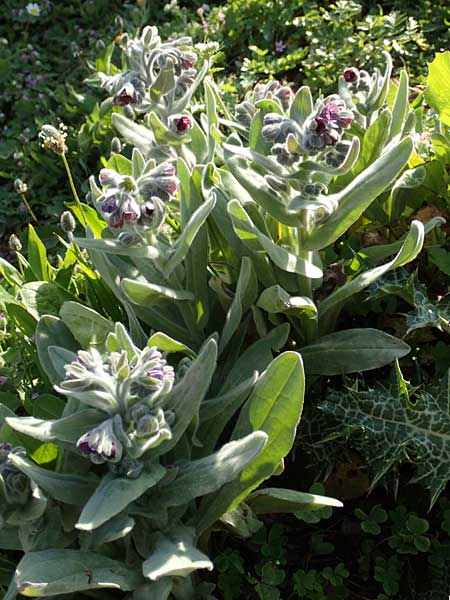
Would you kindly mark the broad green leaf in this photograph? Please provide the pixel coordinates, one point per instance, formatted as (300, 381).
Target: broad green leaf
(47, 406)
(114, 495)
(354, 199)
(87, 326)
(149, 294)
(45, 453)
(119, 163)
(276, 300)
(352, 351)
(158, 590)
(437, 93)
(91, 216)
(22, 318)
(167, 344)
(54, 572)
(51, 331)
(206, 475)
(245, 296)
(274, 407)
(43, 298)
(280, 500)
(70, 489)
(175, 555)
(258, 242)
(408, 252)
(10, 273)
(115, 529)
(115, 247)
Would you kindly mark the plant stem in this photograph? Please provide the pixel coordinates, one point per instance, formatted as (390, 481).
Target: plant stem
(28, 207)
(309, 326)
(74, 191)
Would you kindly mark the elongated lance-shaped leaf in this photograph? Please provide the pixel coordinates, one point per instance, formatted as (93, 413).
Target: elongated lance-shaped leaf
(352, 351)
(196, 260)
(70, 489)
(114, 494)
(400, 107)
(268, 162)
(302, 105)
(260, 190)
(408, 252)
(187, 395)
(258, 242)
(279, 500)
(137, 135)
(275, 407)
(53, 572)
(206, 475)
(115, 247)
(359, 194)
(190, 230)
(311, 165)
(148, 294)
(245, 296)
(50, 332)
(389, 428)
(87, 326)
(67, 429)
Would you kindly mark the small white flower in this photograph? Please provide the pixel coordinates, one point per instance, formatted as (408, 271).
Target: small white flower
(33, 9)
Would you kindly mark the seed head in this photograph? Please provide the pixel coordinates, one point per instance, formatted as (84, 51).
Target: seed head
(54, 139)
(67, 221)
(14, 243)
(20, 186)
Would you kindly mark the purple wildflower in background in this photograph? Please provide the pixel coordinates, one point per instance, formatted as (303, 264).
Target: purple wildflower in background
(280, 47)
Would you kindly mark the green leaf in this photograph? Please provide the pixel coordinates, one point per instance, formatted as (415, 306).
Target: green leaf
(400, 107)
(357, 196)
(89, 216)
(437, 93)
(37, 255)
(167, 344)
(119, 163)
(51, 331)
(206, 475)
(86, 325)
(70, 489)
(279, 500)
(43, 298)
(114, 495)
(48, 406)
(276, 300)
(352, 351)
(302, 105)
(408, 252)
(53, 572)
(258, 242)
(149, 294)
(175, 555)
(245, 296)
(137, 135)
(274, 407)
(180, 248)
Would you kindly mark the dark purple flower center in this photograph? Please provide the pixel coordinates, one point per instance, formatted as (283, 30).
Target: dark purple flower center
(350, 74)
(109, 205)
(123, 98)
(182, 124)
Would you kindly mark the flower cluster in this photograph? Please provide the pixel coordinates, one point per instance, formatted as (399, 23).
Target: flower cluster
(128, 201)
(21, 501)
(54, 139)
(132, 391)
(273, 90)
(321, 133)
(158, 73)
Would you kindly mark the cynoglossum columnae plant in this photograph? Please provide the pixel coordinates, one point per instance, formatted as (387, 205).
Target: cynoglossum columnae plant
(137, 480)
(296, 176)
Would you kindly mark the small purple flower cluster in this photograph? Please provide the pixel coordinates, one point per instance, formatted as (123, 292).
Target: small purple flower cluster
(326, 126)
(126, 201)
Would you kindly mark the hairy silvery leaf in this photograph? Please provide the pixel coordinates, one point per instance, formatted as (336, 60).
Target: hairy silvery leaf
(114, 494)
(279, 500)
(53, 572)
(175, 555)
(351, 351)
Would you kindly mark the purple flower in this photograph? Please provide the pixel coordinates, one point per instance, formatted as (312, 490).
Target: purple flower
(126, 96)
(221, 16)
(351, 74)
(182, 124)
(101, 443)
(280, 47)
(3, 379)
(109, 205)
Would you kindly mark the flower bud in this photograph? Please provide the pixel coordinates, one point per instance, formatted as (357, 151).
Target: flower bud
(351, 75)
(20, 186)
(116, 146)
(181, 124)
(100, 45)
(125, 238)
(14, 243)
(118, 22)
(244, 112)
(67, 221)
